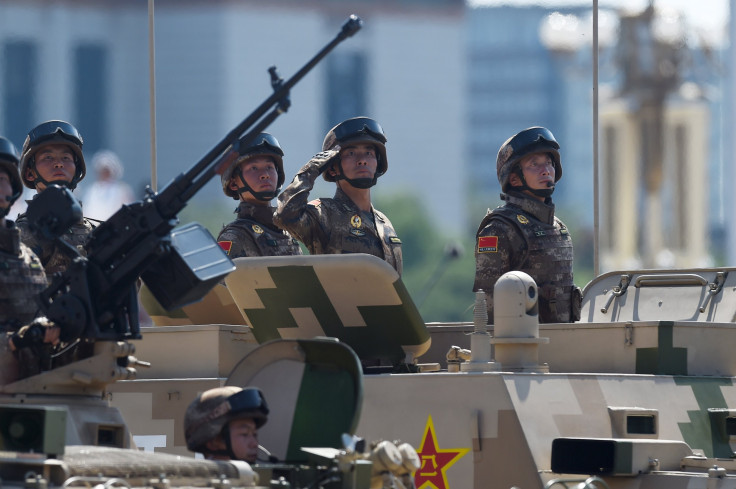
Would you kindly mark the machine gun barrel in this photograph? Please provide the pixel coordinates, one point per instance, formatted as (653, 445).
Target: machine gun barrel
(95, 297)
(212, 162)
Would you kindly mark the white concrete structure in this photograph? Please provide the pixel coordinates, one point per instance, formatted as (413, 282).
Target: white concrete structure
(675, 221)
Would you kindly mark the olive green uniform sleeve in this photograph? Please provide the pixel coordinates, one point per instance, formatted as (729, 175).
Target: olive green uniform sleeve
(294, 214)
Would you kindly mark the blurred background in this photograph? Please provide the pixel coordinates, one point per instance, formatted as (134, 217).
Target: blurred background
(449, 81)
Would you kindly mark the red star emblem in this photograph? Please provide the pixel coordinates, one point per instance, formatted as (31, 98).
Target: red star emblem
(435, 461)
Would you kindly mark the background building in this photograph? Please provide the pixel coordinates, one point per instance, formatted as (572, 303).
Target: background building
(87, 62)
(448, 80)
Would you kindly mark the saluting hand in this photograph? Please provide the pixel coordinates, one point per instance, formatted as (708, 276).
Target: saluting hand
(324, 159)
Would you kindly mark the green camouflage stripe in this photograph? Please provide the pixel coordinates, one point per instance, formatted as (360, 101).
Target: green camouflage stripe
(665, 359)
(701, 431)
(299, 287)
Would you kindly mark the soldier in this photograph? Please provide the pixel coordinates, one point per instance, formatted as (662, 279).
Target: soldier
(222, 423)
(353, 156)
(21, 280)
(52, 154)
(254, 179)
(524, 233)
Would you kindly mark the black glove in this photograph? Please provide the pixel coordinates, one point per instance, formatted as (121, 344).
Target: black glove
(32, 334)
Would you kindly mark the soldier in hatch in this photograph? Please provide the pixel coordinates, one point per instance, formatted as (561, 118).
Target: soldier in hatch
(353, 156)
(222, 423)
(254, 179)
(52, 154)
(21, 280)
(524, 234)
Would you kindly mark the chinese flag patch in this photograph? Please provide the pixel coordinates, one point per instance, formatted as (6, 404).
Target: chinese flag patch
(487, 244)
(226, 245)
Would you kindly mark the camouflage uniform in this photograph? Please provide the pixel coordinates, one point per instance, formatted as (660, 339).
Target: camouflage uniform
(525, 235)
(53, 258)
(21, 280)
(337, 225)
(253, 233)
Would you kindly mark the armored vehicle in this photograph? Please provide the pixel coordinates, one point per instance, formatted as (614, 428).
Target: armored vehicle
(639, 393)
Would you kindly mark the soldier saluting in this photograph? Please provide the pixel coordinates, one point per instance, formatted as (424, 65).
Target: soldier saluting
(254, 179)
(524, 234)
(353, 156)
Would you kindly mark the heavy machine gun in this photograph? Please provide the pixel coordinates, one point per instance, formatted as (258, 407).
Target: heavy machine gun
(95, 298)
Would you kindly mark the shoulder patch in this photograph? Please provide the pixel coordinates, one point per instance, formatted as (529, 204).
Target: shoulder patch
(487, 244)
(257, 229)
(226, 246)
(394, 240)
(315, 202)
(522, 219)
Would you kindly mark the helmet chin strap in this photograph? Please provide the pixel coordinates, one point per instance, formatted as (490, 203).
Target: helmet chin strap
(61, 183)
(10, 198)
(539, 192)
(226, 436)
(266, 196)
(356, 182)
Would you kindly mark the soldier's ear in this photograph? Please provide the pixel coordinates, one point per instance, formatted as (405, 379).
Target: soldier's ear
(233, 185)
(514, 180)
(30, 174)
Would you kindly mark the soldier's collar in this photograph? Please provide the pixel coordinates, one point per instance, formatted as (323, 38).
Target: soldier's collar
(262, 213)
(347, 203)
(544, 212)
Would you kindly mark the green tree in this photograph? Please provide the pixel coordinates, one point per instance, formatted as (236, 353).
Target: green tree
(438, 269)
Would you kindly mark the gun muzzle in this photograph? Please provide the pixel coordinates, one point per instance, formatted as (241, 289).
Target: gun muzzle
(351, 26)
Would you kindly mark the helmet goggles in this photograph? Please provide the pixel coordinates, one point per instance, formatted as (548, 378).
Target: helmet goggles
(54, 129)
(533, 136)
(247, 400)
(263, 142)
(357, 126)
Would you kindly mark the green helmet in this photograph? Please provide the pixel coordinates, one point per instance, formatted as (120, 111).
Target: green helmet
(52, 132)
(263, 145)
(212, 410)
(531, 140)
(358, 130)
(9, 161)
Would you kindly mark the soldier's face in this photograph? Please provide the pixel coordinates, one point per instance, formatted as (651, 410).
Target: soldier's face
(6, 189)
(244, 439)
(538, 170)
(259, 173)
(54, 162)
(359, 160)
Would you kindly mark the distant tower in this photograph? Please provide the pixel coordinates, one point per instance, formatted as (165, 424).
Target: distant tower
(654, 153)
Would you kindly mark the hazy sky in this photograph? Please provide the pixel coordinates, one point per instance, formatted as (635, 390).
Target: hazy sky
(708, 17)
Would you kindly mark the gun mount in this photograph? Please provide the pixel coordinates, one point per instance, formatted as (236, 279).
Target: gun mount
(95, 298)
